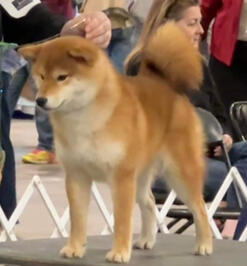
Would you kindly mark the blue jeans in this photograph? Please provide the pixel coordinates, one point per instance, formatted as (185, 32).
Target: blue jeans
(45, 134)
(44, 128)
(238, 156)
(122, 42)
(15, 86)
(217, 171)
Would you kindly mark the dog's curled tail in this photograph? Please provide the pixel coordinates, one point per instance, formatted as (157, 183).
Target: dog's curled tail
(169, 54)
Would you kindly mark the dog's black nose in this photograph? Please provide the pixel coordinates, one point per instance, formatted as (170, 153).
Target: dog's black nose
(41, 101)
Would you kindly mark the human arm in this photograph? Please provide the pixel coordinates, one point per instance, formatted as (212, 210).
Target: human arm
(96, 27)
(41, 23)
(227, 139)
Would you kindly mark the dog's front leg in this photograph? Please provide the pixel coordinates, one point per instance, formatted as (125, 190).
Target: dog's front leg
(78, 191)
(123, 189)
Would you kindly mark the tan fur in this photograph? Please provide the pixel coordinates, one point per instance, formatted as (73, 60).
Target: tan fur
(119, 129)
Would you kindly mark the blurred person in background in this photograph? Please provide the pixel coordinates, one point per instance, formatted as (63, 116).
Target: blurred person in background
(228, 49)
(44, 152)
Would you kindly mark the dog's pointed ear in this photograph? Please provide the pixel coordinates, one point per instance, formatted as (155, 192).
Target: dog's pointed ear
(85, 56)
(30, 52)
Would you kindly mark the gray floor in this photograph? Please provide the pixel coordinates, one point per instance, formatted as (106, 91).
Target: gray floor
(170, 250)
(36, 221)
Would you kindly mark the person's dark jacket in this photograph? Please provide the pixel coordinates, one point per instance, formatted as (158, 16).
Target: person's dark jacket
(207, 98)
(39, 23)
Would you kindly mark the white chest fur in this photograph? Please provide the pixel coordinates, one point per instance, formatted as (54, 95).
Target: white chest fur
(97, 155)
(82, 142)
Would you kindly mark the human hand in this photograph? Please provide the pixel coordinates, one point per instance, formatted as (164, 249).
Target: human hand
(228, 143)
(94, 26)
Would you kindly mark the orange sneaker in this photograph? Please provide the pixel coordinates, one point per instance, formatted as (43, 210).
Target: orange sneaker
(39, 157)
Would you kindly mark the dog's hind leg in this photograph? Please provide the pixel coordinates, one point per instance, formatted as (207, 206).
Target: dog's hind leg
(146, 202)
(123, 187)
(186, 177)
(78, 190)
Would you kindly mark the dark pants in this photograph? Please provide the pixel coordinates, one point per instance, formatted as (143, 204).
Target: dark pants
(8, 185)
(231, 81)
(242, 223)
(217, 171)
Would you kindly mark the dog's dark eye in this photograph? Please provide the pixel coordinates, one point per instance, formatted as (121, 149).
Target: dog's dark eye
(62, 77)
(42, 77)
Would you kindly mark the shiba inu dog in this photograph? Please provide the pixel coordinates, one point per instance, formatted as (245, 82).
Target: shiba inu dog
(118, 129)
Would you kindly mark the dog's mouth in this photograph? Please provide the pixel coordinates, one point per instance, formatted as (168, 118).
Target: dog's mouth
(50, 109)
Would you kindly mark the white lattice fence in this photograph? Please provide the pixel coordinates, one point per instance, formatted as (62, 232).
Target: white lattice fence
(232, 176)
(61, 222)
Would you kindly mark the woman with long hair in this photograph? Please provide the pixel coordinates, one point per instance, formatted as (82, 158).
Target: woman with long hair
(186, 14)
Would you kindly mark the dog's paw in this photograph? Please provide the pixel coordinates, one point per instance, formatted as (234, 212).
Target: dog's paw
(144, 244)
(72, 252)
(118, 256)
(204, 249)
